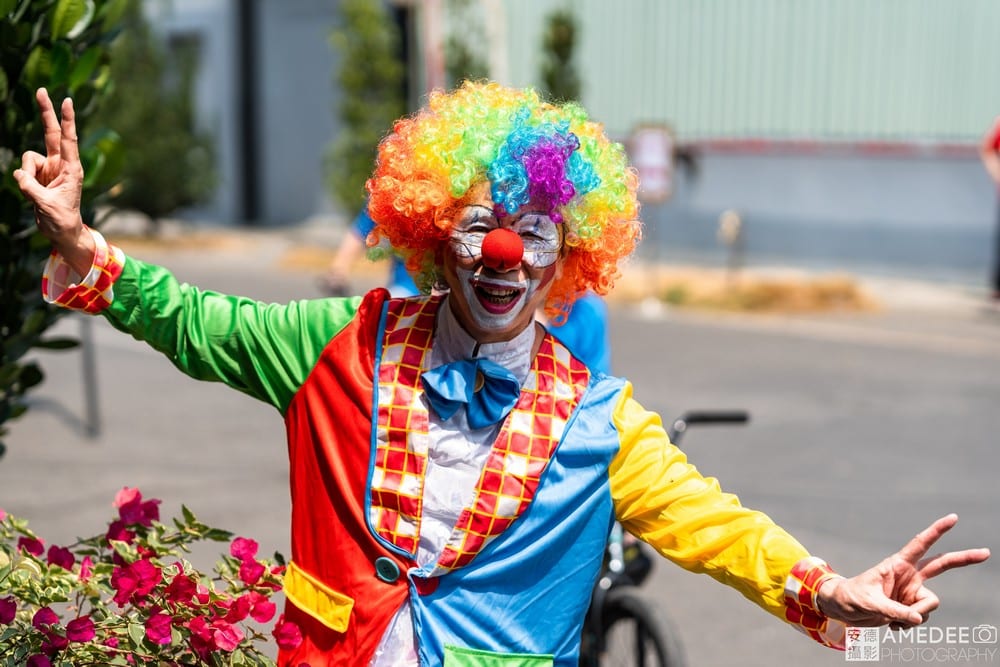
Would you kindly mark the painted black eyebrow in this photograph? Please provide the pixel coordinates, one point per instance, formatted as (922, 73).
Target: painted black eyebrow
(537, 214)
(485, 208)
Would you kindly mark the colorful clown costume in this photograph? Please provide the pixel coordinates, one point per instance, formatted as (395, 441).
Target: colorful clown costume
(398, 544)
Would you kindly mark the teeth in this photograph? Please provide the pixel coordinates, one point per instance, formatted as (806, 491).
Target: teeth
(499, 293)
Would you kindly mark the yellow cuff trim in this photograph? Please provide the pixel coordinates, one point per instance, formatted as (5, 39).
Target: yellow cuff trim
(312, 596)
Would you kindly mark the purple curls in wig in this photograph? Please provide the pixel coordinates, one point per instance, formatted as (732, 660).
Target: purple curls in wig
(539, 163)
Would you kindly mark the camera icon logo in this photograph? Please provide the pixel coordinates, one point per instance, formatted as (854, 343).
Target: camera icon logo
(984, 634)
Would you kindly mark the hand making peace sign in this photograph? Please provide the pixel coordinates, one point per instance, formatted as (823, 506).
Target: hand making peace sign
(54, 183)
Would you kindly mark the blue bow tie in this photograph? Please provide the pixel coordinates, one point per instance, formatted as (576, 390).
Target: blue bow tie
(486, 389)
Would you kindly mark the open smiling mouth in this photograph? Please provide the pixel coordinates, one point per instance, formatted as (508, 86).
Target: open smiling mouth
(497, 298)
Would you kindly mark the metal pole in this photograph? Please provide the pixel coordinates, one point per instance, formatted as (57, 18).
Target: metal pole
(92, 408)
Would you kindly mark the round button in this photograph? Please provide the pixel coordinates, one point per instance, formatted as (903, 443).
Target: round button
(386, 569)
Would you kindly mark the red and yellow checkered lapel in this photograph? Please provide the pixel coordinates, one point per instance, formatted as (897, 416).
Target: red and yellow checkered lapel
(401, 440)
(520, 454)
(517, 460)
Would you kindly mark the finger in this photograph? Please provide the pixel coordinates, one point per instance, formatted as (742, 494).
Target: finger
(935, 565)
(927, 601)
(896, 612)
(50, 123)
(69, 149)
(925, 539)
(31, 162)
(29, 185)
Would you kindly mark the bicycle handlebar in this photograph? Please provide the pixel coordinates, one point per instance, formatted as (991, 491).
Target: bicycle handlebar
(680, 425)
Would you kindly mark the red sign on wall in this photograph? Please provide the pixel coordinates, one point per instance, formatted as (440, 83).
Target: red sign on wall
(651, 151)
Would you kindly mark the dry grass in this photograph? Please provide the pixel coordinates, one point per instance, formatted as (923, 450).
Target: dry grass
(774, 292)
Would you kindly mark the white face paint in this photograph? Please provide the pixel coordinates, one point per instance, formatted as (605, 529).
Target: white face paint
(539, 236)
(496, 305)
(490, 301)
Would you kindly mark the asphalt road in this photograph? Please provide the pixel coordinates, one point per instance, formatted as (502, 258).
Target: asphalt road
(864, 429)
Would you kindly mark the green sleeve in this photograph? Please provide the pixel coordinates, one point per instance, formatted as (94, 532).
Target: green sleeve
(264, 350)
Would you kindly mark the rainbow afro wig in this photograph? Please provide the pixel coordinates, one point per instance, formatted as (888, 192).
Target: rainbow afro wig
(529, 151)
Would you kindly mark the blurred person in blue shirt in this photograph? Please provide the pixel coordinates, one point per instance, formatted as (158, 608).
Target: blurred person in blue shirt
(585, 332)
(336, 282)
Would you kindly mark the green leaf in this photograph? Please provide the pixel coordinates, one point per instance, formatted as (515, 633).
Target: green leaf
(71, 17)
(7, 6)
(189, 516)
(57, 343)
(33, 323)
(137, 633)
(84, 68)
(60, 58)
(38, 67)
(218, 535)
(112, 13)
(31, 376)
(3, 81)
(9, 373)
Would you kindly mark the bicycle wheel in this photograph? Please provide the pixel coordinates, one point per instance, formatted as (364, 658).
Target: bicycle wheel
(634, 636)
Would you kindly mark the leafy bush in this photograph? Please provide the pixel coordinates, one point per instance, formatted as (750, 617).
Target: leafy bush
(559, 77)
(370, 78)
(169, 164)
(62, 45)
(127, 597)
(464, 48)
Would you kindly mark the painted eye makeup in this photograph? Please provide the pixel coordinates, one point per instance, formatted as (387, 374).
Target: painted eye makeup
(541, 237)
(476, 219)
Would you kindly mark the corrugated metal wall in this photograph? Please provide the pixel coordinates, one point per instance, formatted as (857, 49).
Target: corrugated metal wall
(828, 70)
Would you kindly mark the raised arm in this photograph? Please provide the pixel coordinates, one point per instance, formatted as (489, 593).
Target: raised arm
(264, 350)
(664, 500)
(54, 183)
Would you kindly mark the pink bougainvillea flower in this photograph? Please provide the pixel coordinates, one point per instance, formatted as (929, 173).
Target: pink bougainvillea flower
(286, 634)
(239, 609)
(132, 509)
(118, 532)
(111, 642)
(135, 581)
(125, 496)
(226, 635)
(202, 642)
(80, 629)
(3, 515)
(202, 596)
(86, 569)
(62, 557)
(8, 609)
(39, 660)
(181, 589)
(43, 618)
(251, 571)
(54, 643)
(243, 548)
(261, 609)
(158, 628)
(32, 545)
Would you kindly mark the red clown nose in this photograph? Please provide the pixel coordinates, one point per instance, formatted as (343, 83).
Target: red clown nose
(502, 250)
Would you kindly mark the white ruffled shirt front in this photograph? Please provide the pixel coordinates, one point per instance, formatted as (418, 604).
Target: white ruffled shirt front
(455, 461)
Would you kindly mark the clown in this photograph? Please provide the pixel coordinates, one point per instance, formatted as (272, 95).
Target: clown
(454, 469)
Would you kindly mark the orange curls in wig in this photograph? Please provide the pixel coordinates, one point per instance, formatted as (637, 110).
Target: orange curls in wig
(528, 150)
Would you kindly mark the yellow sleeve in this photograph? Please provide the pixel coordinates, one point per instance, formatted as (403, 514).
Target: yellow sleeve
(664, 500)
